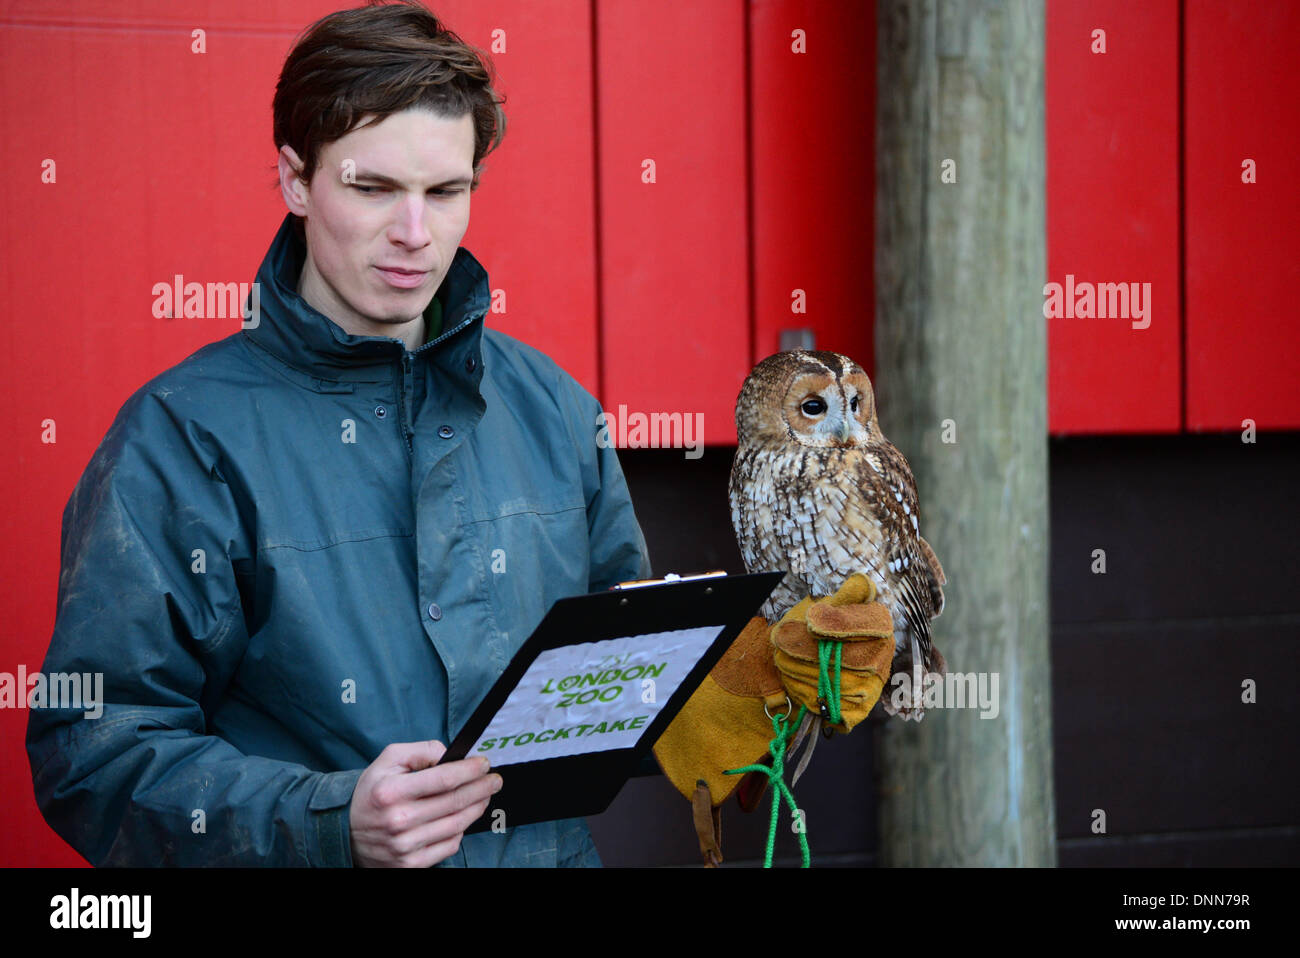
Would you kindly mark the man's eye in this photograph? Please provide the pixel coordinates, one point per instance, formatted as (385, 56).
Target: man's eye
(366, 190)
(813, 407)
(444, 192)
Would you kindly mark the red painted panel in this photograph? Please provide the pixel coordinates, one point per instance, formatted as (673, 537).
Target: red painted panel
(813, 126)
(1112, 212)
(673, 253)
(534, 222)
(1243, 249)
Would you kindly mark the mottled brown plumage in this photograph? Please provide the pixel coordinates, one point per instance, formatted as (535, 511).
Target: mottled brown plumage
(817, 490)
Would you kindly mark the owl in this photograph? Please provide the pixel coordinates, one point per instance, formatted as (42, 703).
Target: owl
(818, 491)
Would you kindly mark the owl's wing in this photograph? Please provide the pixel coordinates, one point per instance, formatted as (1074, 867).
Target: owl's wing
(889, 490)
(915, 587)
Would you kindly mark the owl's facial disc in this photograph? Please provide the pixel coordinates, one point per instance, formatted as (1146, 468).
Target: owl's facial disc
(859, 417)
(813, 411)
(861, 403)
(816, 410)
(827, 422)
(820, 420)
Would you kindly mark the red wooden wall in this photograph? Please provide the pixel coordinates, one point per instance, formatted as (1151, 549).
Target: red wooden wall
(1243, 239)
(725, 135)
(673, 222)
(1145, 184)
(657, 293)
(812, 153)
(1112, 211)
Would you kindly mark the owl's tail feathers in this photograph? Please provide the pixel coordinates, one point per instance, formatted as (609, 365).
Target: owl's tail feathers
(918, 679)
(923, 648)
(937, 662)
(907, 682)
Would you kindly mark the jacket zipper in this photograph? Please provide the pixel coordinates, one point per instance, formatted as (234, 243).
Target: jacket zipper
(408, 425)
(449, 333)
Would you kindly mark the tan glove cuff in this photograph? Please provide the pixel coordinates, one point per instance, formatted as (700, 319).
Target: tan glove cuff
(723, 724)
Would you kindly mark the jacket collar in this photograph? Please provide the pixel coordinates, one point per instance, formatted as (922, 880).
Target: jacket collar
(306, 339)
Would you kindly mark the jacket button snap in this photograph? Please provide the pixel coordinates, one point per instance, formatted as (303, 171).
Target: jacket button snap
(446, 432)
(380, 412)
(435, 613)
(470, 364)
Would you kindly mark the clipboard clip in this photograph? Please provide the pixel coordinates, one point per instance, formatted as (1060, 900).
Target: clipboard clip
(668, 577)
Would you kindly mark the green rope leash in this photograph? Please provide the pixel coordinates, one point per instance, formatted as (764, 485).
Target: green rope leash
(776, 776)
(828, 697)
(826, 694)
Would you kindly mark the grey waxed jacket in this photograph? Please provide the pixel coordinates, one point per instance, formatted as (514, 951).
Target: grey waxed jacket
(299, 546)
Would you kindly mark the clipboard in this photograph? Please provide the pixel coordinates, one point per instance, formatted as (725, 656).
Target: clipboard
(645, 648)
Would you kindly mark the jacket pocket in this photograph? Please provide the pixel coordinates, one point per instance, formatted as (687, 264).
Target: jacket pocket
(534, 557)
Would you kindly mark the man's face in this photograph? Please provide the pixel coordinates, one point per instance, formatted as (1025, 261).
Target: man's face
(386, 209)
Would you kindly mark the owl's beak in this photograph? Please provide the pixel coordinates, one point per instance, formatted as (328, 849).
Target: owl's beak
(844, 431)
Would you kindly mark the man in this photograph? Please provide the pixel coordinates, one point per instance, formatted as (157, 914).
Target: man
(301, 557)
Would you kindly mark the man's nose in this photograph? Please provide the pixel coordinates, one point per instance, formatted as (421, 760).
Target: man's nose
(409, 227)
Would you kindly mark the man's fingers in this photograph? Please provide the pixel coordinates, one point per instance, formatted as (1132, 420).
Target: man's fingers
(431, 854)
(433, 753)
(404, 815)
(429, 782)
(412, 756)
(449, 803)
(436, 832)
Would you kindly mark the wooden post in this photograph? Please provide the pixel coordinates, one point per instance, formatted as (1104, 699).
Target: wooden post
(961, 354)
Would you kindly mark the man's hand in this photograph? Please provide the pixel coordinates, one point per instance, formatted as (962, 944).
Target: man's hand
(410, 812)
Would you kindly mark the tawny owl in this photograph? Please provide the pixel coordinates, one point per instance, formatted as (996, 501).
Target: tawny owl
(817, 490)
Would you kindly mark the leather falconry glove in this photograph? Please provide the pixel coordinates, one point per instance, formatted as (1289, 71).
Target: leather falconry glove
(723, 725)
(727, 724)
(863, 636)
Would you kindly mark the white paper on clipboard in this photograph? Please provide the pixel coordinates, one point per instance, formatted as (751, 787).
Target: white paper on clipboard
(593, 696)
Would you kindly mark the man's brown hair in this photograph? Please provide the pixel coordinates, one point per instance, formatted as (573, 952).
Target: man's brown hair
(378, 60)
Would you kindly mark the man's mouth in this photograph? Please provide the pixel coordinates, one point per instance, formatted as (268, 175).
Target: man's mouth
(402, 277)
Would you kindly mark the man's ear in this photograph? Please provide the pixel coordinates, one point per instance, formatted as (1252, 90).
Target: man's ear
(292, 187)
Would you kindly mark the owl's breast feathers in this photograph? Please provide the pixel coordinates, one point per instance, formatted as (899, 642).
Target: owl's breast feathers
(823, 514)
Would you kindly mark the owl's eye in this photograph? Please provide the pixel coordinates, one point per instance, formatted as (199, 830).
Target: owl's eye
(853, 404)
(813, 407)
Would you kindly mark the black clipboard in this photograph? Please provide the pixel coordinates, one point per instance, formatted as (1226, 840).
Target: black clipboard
(574, 786)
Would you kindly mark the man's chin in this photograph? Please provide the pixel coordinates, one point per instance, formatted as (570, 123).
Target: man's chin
(386, 311)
